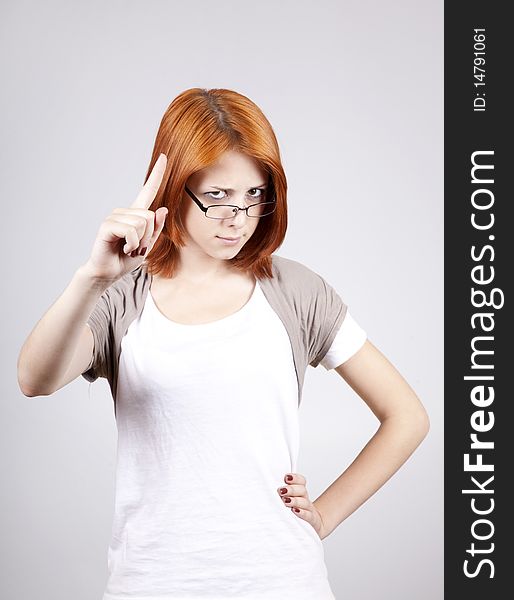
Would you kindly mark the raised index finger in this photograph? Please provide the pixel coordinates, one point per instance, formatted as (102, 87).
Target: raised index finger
(149, 191)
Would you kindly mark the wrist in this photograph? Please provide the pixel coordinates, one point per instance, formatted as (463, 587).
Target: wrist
(91, 281)
(324, 531)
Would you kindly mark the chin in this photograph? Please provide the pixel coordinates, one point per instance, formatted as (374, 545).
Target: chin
(223, 253)
(228, 253)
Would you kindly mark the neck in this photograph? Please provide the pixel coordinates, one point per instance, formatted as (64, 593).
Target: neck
(199, 270)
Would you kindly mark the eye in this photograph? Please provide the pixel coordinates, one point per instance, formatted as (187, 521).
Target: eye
(258, 190)
(259, 193)
(215, 197)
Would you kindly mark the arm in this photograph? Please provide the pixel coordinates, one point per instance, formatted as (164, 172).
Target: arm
(404, 423)
(60, 346)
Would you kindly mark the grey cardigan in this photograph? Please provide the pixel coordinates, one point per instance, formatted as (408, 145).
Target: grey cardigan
(310, 309)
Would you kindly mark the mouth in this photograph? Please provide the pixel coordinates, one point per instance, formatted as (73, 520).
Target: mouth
(229, 239)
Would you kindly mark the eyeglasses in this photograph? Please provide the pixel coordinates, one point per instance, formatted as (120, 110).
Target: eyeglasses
(227, 211)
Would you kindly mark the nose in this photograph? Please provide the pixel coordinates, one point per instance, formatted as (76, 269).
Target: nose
(239, 219)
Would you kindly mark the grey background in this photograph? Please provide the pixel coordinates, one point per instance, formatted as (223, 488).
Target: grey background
(353, 90)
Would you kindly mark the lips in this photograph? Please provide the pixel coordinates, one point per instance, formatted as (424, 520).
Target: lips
(232, 239)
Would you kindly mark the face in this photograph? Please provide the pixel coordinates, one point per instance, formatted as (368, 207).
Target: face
(235, 179)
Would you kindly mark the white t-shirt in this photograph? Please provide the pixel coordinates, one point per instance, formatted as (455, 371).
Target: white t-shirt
(207, 419)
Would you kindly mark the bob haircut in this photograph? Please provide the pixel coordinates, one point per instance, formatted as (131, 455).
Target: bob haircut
(196, 129)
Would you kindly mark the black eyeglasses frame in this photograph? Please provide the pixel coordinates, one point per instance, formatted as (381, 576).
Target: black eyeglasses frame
(238, 208)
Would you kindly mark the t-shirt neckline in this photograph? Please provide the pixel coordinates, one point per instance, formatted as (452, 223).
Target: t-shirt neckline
(210, 324)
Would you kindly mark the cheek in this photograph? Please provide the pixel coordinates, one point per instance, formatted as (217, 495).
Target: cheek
(196, 223)
(255, 225)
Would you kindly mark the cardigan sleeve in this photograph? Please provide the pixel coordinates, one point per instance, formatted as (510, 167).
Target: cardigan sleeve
(100, 323)
(116, 308)
(327, 311)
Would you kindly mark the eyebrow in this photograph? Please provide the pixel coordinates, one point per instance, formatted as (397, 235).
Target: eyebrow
(224, 189)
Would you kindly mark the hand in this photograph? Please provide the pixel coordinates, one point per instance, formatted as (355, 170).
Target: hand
(128, 234)
(296, 497)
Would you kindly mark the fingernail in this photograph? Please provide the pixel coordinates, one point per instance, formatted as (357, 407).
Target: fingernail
(296, 509)
(283, 490)
(133, 253)
(289, 478)
(287, 499)
(143, 251)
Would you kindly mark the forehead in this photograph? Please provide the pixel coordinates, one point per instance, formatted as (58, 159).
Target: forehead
(233, 169)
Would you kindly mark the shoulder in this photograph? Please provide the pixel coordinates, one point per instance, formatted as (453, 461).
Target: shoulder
(292, 273)
(317, 308)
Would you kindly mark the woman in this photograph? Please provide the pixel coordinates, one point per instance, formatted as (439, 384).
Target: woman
(204, 336)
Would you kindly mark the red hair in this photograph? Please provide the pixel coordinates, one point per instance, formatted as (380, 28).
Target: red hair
(196, 129)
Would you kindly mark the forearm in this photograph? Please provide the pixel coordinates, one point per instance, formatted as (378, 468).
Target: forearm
(393, 442)
(48, 350)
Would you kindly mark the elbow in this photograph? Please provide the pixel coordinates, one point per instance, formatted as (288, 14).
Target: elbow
(419, 421)
(27, 387)
(419, 424)
(30, 391)
(25, 378)
(414, 424)
(423, 424)
(27, 392)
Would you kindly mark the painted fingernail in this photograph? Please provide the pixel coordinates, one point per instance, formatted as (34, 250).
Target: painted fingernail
(289, 478)
(287, 500)
(143, 251)
(296, 509)
(133, 253)
(283, 491)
